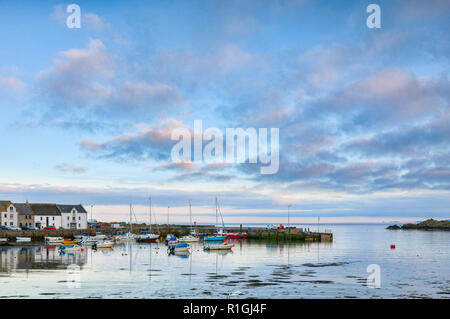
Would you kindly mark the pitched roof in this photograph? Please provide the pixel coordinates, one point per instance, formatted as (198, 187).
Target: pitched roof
(4, 205)
(23, 209)
(45, 209)
(68, 208)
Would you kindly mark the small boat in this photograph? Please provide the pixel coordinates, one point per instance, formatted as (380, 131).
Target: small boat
(105, 244)
(68, 242)
(70, 248)
(219, 236)
(98, 236)
(223, 246)
(126, 237)
(3, 241)
(146, 237)
(53, 240)
(180, 247)
(214, 238)
(23, 239)
(188, 239)
(170, 237)
(88, 241)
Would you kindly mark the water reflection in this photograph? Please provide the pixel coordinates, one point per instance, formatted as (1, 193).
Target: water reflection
(41, 257)
(253, 268)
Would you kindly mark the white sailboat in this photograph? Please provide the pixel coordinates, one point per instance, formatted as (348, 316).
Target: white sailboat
(192, 237)
(128, 236)
(148, 236)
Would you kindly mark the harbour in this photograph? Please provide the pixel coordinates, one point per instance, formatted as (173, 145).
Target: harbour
(295, 269)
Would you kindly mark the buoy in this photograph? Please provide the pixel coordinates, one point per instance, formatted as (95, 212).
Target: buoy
(392, 246)
(82, 249)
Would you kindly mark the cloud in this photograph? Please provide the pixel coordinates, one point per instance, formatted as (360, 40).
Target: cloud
(148, 143)
(70, 168)
(85, 83)
(409, 140)
(12, 83)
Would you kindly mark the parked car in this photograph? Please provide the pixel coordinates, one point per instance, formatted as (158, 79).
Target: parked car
(4, 227)
(50, 228)
(14, 228)
(24, 227)
(32, 228)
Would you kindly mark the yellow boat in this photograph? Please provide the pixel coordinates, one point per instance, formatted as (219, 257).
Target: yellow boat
(69, 242)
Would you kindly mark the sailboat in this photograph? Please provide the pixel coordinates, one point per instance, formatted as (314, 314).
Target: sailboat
(128, 236)
(148, 236)
(219, 236)
(192, 237)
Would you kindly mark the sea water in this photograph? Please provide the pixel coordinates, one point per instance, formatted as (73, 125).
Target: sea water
(418, 267)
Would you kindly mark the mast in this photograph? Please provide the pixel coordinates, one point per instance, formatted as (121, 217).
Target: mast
(217, 221)
(150, 212)
(190, 215)
(168, 207)
(131, 227)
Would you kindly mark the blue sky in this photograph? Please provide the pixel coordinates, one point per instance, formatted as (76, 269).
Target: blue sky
(363, 113)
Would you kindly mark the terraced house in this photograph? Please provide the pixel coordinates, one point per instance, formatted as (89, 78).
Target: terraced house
(8, 214)
(43, 215)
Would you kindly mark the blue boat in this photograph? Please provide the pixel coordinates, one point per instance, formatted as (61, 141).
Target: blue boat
(218, 237)
(182, 247)
(214, 238)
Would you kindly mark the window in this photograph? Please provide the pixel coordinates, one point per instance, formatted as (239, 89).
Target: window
(11, 223)
(68, 218)
(11, 216)
(11, 209)
(79, 218)
(6, 216)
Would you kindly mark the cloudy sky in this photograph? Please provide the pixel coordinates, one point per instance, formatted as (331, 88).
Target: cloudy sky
(363, 114)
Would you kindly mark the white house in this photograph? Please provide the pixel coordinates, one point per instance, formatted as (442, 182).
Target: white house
(8, 214)
(46, 215)
(73, 217)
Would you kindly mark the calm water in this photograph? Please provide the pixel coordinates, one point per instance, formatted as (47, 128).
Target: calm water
(418, 267)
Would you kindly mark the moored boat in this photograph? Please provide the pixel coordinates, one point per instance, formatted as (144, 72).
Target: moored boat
(70, 248)
(146, 237)
(105, 244)
(188, 239)
(222, 246)
(53, 240)
(180, 247)
(68, 242)
(23, 239)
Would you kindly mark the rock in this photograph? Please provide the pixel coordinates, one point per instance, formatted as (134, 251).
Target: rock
(429, 224)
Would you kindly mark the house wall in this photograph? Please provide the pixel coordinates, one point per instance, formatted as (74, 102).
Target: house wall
(25, 220)
(9, 217)
(52, 221)
(74, 217)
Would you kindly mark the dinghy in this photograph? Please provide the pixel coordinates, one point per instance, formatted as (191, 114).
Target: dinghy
(223, 246)
(23, 239)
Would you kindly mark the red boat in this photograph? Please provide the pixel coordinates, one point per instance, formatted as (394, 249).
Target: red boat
(235, 236)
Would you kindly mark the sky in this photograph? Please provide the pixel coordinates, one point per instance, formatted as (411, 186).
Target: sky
(363, 114)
